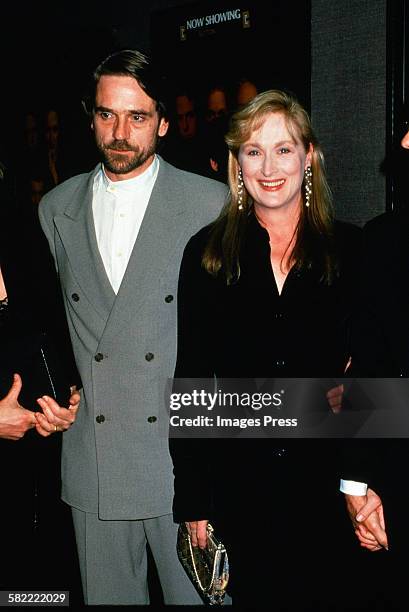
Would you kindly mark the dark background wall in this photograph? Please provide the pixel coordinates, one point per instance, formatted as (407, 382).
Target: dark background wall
(49, 48)
(213, 50)
(349, 89)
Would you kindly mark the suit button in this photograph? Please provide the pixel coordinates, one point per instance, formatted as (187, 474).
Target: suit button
(75, 297)
(152, 419)
(278, 315)
(99, 357)
(149, 356)
(169, 299)
(280, 362)
(100, 418)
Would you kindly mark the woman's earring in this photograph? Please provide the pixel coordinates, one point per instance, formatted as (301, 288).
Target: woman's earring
(240, 190)
(308, 185)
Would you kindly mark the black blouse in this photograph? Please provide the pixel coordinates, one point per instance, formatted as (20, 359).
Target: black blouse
(248, 329)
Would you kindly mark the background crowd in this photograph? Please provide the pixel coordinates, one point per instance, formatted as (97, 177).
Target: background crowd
(50, 146)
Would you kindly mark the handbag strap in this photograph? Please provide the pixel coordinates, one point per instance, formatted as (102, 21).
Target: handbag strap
(195, 570)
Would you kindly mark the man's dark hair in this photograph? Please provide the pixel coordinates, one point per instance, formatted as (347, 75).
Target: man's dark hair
(132, 63)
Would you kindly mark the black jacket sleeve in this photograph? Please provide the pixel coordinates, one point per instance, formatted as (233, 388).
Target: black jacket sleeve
(193, 458)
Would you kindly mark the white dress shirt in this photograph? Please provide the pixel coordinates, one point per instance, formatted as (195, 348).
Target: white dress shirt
(118, 208)
(351, 487)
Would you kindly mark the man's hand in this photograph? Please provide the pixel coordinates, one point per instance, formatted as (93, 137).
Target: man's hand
(198, 534)
(15, 420)
(334, 397)
(53, 417)
(366, 514)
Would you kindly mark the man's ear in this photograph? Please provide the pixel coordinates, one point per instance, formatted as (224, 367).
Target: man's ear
(86, 106)
(163, 127)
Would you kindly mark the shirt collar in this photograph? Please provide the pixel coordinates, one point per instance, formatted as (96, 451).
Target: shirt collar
(136, 183)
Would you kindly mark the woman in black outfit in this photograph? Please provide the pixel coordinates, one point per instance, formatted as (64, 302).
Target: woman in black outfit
(37, 545)
(267, 291)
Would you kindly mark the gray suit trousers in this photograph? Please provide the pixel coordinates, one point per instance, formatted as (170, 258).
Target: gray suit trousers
(113, 560)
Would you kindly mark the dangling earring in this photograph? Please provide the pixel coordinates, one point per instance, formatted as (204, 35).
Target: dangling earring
(240, 189)
(308, 185)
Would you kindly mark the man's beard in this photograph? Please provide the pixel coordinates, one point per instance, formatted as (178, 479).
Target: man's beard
(123, 164)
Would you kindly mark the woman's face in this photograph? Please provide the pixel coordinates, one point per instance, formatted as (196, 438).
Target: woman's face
(273, 165)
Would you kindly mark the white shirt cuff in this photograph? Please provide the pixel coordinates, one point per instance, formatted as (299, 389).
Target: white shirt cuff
(351, 487)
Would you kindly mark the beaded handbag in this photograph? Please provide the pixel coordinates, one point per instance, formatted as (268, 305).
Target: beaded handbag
(207, 569)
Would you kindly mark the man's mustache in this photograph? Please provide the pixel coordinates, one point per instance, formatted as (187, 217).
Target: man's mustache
(120, 145)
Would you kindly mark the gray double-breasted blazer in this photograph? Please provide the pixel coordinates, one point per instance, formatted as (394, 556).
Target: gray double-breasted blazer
(115, 457)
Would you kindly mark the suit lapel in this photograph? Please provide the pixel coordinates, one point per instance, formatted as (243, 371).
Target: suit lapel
(76, 229)
(158, 237)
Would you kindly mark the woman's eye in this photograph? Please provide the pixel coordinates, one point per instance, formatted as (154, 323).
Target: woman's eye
(283, 150)
(252, 152)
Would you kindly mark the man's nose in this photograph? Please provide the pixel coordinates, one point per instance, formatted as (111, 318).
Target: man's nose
(183, 124)
(121, 129)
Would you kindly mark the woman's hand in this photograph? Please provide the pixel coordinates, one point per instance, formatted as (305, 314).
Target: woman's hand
(198, 533)
(15, 420)
(53, 417)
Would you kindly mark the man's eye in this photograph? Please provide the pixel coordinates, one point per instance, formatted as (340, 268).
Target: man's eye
(105, 115)
(137, 117)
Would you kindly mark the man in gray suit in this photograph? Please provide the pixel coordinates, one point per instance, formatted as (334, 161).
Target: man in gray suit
(117, 235)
